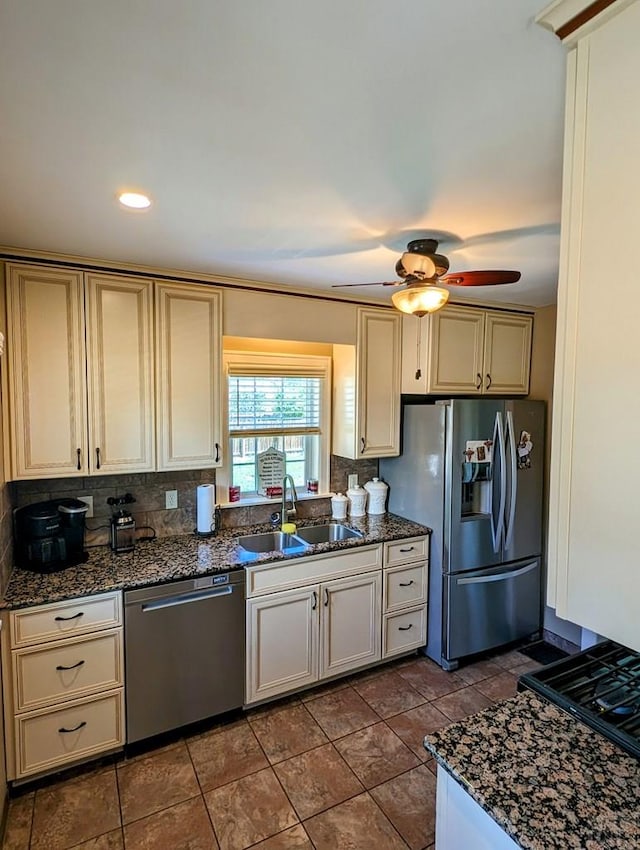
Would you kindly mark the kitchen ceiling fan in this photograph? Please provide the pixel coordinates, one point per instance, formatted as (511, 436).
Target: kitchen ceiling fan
(422, 269)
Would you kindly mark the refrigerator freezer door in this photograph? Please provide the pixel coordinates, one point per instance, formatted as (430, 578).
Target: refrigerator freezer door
(488, 608)
(525, 462)
(469, 539)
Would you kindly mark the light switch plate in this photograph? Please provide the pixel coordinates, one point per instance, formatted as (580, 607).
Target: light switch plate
(352, 480)
(88, 500)
(171, 499)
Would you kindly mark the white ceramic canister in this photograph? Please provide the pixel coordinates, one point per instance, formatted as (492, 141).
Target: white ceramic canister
(357, 496)
(377, 491)
(339, 506)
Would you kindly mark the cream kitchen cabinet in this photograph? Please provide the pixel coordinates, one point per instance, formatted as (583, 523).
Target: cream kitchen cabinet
(366, 380)
(593, 576)
(317, 629)
(188, 376)
(467, 351)
(405, 594)
(63, 683)
(76, 410)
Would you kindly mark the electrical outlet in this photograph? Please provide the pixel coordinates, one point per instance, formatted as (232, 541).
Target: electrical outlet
(352, 479)
(170, 499)
(88, 500)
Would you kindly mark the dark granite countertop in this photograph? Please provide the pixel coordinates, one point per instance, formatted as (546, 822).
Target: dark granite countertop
(184, 556)
(548, 780)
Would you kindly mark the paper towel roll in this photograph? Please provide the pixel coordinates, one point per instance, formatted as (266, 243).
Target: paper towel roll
(205, 507)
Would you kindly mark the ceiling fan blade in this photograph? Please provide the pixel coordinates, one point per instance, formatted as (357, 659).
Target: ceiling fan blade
(381, 283)
(481, 278)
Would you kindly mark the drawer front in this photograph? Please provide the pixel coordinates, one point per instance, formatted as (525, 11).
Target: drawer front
(42, 744)
(406, 551)
(305, 571)
(404, 587)
(67, 670)
(404, 632)
(65, 619)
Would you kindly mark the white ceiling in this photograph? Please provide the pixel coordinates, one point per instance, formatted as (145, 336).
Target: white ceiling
(288, 141)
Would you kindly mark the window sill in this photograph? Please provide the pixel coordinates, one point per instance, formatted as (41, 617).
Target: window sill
(251, 501)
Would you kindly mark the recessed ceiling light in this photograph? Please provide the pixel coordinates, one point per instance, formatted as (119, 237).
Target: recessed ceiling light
(134, 200)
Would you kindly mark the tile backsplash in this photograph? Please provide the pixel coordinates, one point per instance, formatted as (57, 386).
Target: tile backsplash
(149, 489)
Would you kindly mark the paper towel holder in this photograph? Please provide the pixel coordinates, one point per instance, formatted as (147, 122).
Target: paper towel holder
(215, 525)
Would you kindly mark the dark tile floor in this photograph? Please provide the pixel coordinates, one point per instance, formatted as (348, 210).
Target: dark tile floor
(341, 766)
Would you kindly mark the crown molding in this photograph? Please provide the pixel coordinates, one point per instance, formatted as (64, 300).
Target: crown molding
(571, 19)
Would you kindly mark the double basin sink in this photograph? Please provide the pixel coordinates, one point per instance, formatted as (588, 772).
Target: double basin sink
(280, 541)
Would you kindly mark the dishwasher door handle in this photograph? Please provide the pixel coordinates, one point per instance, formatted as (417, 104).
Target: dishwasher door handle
(185, 598)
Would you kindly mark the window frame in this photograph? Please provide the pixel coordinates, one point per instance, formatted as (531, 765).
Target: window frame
(276, 364)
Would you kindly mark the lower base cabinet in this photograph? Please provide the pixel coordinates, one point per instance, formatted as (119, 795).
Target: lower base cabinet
(63, 682)
(324, 616)
(298, 637)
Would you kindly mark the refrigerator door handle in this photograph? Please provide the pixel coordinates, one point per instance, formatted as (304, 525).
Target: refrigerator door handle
(513, 476)
(499, 577)
(498, 447)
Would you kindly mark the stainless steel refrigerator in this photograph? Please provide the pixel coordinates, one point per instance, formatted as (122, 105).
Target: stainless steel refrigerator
(472, 470)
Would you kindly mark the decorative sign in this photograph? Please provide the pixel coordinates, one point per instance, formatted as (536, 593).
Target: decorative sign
(478, 451)
(270, 470)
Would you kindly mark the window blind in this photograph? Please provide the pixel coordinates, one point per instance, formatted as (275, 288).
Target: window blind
(262, 404)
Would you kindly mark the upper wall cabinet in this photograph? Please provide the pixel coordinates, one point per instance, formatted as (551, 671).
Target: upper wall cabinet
(83, 381)
(594, 578)
(46, 373)
(60, 423)
(366, 409)
(120, 374)
(188, 385)
(467, 351)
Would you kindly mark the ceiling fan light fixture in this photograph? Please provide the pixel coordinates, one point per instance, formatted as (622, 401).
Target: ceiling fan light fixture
(420, 300)
(418, 265)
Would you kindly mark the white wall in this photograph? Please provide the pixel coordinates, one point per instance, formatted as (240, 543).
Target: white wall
(542, 360)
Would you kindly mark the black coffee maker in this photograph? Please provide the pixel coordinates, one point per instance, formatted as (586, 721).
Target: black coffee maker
(49, 536)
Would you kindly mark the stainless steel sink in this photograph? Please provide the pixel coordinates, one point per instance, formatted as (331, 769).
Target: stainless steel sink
(270, 541)
(333, 532)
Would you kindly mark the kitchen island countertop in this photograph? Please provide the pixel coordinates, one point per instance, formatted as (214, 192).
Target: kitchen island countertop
(183, 556)
(549, 781)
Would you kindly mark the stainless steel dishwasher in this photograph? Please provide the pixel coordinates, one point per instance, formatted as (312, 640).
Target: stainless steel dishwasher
(184, 652)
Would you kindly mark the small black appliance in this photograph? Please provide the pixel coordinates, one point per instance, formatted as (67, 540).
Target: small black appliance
(49, 536)
(123, 525)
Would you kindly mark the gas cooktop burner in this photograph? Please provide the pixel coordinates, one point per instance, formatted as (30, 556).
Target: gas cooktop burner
(616, 697)
(600, 686)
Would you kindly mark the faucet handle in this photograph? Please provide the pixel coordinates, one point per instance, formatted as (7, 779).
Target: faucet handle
(275, 518)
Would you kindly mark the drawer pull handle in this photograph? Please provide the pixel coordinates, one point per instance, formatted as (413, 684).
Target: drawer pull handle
(73, 617)
(315, 601)
(326, 597)
(405, 628)
(406, 583)
(79, 453)
(97, 458)
(72, 667)
(75, 728)
(410, 549)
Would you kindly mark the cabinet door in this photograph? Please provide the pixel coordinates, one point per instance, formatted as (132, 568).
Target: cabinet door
(120, 372)
(350, 623)
(47, 391)
(188, 363)
(378, 383)
(593, 540)
(507, 353)
(454, 361)
(282, 642)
